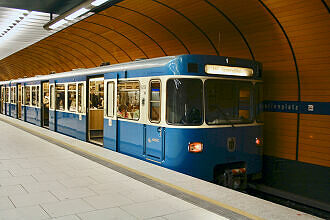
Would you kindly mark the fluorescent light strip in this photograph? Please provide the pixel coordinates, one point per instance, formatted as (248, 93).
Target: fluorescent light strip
(76, 14)
(98, 2)
(57, 24)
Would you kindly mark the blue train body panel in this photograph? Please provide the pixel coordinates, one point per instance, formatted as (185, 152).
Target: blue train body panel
(69, 124)
(13, 111)
(52, 122)
(215, 151)
(33, 115)
(110, 134)
(7, 109)
(130, 144)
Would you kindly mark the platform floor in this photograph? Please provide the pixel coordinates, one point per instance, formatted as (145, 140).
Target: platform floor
(46, 175)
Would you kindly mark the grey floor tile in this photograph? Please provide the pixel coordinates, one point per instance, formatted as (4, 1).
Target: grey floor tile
(107, 214)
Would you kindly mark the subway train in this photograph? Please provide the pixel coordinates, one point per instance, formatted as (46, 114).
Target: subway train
(196, 114)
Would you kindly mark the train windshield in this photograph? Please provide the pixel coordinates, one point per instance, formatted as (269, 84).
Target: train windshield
(184, 101)
(227, 102)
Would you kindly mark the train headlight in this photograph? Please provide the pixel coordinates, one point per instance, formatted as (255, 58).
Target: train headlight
(195, 147)
(259, 142)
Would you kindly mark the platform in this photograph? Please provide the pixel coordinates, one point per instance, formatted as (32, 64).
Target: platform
(47, 175)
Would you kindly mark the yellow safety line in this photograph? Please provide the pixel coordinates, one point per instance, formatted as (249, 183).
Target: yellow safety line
(205, 198)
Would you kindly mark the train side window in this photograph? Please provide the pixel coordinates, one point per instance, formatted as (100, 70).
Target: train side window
(27, 95)
(34, 96)
(38, 96)
(60, 97)
(154, 101)
(51, 97)
(13, 95)
(23, 99)
(110, 99)
(72, 96)
(7, 95)
(128, 100)
(81, 99)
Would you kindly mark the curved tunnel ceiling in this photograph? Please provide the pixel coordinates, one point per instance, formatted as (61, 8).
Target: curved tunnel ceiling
(288, 37)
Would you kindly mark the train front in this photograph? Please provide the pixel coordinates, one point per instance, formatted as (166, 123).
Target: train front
(215, 120)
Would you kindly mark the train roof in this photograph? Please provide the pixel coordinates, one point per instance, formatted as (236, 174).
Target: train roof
(138, 64)
(132, 65)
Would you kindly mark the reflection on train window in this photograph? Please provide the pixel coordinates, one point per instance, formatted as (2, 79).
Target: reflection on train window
(184, 101)
(34, 96)
(51, 97)
(128, 99)
(60, 97)
(72, 97)
(81, 100)
(110, 99)
(154, 101)
(259, 104)
(27, 95)
(96, 94)
(227, 102)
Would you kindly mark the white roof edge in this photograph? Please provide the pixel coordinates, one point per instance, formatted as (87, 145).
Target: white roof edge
(147, 63)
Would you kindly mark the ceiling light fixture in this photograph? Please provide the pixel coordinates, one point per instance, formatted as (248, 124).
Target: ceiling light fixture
(76, 13)
(58, 24)
(98, 2)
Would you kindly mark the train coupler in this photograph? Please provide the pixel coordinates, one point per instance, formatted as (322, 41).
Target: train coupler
(235, 178)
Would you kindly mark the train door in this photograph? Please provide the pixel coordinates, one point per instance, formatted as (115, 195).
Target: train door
(19, 101)
(96, 110)
(154, 132)
(45, 104)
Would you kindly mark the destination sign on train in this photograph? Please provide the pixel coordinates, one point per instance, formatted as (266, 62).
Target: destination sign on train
(228, 70)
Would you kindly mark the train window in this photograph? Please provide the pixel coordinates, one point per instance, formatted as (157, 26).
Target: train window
(51, 97)
(34, 96)
(27, 95)
(184, 101)
(110, 94)
(96, 94)
(22, 90)
(38, 95)
(128, 100)
(7, 94)
(72, 96)
(81, 100)
(227, 102)
(13, 95)
(259, 103)
(60, 97)
(2, 94)
(154, 101)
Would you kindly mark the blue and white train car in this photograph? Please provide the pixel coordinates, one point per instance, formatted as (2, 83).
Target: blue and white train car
(196, 114)
(5, 97)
